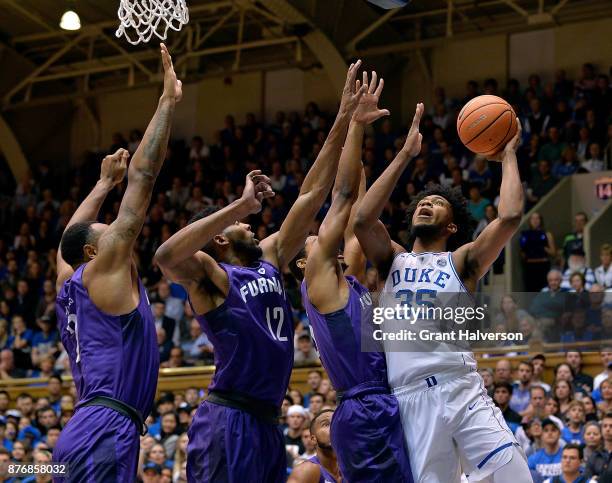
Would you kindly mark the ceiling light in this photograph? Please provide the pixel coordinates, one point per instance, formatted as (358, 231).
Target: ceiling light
(70, 20)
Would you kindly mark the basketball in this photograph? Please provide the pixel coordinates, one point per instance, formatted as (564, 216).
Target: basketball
(486, 124)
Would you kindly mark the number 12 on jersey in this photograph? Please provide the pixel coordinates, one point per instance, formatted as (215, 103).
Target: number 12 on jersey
(276, 315)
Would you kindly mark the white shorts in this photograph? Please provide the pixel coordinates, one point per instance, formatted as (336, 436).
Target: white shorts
(451, 425)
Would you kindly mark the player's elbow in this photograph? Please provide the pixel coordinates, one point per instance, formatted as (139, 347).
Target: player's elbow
(162, 257)
(141, 176)
(360, 222)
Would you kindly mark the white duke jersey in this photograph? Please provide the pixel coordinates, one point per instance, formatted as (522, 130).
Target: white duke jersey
(423, 280)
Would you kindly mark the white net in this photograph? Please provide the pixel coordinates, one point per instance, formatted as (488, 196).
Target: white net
(140, 19)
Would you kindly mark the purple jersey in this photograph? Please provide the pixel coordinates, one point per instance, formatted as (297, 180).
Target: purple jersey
(110, 355)
(252, 333)
(339, 337)
(326, 476)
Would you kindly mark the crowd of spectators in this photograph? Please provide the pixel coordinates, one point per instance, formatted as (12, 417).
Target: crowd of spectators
(567, 130)
(564, 424)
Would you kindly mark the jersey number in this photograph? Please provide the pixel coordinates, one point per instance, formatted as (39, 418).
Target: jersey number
(74, 325)
(277, 315)
(423, 297)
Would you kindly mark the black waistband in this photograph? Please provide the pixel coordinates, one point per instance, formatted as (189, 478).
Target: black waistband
(121, 408)
(266, 412)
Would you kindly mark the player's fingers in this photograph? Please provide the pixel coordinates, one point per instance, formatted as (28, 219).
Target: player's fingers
(373, 81)
(365, 78)
(361, 92)
(255, 172)
(261, 178)
(259, 197)
(352, 73)
(269, 193)
(416, 120)
(383, 112)
(357, 85)
(379, 89)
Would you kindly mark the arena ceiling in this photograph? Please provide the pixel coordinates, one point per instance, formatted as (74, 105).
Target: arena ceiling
(40, 62)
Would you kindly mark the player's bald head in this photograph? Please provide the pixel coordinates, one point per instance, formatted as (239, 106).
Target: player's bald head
(79, 242)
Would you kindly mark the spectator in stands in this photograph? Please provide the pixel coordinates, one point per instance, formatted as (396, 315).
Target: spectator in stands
(599, 464)
(44, 342)
(551, 302)
(175, 359)
(605, 406)
(606, 361)
(305, 354)
(574, 241)
(7, 366)
(543, 181)
(198, 347)
(503, 371)
(568, 165)
(537, 248)
(576, 264)
(581, 379)
(539, 366)
(477, 204)
(537, 121)
(509, 313)
(163, 344)
(552, 150)
(546, 462)
(521, 394)
(180, 456)
(315, 405)
(54, 388)
(490, 215)
(162, 320)
(168, 435)
(592, 439)
(571, 461)
(25, 404)
(563, 393)
(594, 161)
(573, 432)
(603, 273)
(501, 397)
(537, 404)
(296, 417)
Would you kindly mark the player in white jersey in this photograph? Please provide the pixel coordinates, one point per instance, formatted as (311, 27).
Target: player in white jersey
(450, 423)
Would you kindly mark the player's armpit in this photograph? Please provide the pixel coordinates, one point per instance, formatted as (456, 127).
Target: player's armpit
(474, 259)
(305, 472)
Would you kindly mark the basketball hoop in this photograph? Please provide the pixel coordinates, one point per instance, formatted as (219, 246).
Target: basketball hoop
(143, 18)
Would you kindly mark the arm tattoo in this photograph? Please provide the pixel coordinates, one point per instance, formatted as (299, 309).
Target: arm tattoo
(155, 147)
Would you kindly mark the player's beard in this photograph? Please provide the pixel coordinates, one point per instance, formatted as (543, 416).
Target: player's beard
(247, 251)
(426, 232)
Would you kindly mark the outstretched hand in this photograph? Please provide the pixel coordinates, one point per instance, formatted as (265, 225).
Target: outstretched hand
(256, 188)
(351, 95)
(412, 146)
(367, 110)
(172, 86)
(114, 167)
(511, 147)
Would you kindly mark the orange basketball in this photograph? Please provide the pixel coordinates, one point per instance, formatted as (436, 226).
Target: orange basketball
(486, 124)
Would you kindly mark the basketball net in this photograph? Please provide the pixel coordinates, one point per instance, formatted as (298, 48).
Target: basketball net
(140, 19)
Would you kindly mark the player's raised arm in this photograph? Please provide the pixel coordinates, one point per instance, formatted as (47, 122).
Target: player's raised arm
(112, 172)
(116, 244)
(474, 259)
(280, 248)
(370, 232)
(354, 257)
(180, 257)
(322, 260)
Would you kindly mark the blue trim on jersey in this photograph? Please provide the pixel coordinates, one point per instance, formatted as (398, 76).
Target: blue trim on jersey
(493, 453)
(415, 254)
